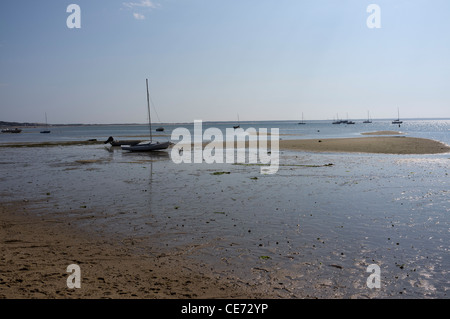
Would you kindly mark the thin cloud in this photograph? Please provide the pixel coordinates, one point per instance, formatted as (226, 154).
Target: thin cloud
(145, 5)
(141, 4)
(138, 16)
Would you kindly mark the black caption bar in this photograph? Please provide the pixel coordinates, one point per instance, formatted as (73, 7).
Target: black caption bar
(203, 308)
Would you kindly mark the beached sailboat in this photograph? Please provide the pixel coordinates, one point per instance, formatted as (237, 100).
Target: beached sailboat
(397, 121)
(148, 146)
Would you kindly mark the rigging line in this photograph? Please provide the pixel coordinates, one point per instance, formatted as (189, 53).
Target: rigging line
(154, 108)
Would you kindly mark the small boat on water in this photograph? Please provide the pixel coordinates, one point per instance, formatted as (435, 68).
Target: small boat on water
(347, 121)
(46, 131)
(397, 121)
(368, 118)
(302, 122)
(160, 129)
(237, 126)
(11, 130)
(337, 121)
(147, 146)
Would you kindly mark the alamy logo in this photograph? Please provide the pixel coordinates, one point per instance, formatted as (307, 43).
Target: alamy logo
(74, 19)
(74, 280)
(373, 281)
(193, 150)
(374, 19)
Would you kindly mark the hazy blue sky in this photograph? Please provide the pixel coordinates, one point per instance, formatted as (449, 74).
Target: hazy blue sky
(214, 59)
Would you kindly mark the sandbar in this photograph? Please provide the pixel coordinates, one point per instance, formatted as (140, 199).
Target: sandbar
(368, 144)
(383, 145)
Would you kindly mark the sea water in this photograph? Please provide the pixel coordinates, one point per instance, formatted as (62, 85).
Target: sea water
(438, 129)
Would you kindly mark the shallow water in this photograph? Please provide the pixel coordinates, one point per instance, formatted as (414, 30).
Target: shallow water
(305, 231)
(438, 129)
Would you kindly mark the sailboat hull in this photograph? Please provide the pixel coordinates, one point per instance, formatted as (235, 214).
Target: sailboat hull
(146, 147)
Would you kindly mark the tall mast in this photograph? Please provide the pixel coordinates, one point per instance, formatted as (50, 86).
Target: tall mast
(148, 107)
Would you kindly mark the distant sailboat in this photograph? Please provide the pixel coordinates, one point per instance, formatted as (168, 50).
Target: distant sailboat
(237, 126)
(150, 146)
(397, 121)
(46, 125)
(368, 118)
(347, 121)
(337, 121)
(302, 122)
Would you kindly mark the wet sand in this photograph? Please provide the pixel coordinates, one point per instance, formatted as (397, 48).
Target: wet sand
(37, 250)
(240, 229)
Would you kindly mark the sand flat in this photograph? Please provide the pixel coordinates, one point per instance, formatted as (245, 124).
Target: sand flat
(37, 250)
(383, 145)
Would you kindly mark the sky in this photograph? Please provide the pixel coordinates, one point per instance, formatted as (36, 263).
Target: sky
(217, 60)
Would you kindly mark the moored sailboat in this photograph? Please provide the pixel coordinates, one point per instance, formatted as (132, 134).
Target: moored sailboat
(397, 121)
(302, 122)
(368, 118)
(239, 125)
(46, 131)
